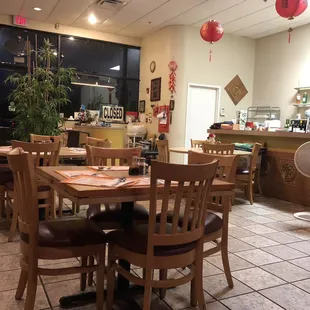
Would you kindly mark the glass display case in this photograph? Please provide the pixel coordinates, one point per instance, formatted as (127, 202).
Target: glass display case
(261, 114)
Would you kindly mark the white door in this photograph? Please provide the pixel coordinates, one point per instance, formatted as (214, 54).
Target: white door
(202, 111)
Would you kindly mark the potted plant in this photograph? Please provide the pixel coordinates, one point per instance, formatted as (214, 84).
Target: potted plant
(39, 94)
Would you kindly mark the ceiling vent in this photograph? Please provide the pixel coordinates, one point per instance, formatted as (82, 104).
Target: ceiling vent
(111, 4)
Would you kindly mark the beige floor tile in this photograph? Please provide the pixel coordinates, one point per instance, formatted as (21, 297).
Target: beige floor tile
(211, 306)
(284, 252)
(9, 262)
(179, 297)
(279, 226)
(303, 246)
(257, 278)
(59, 289)
(260, 219)
(288, 296)
(240, 221)
(258, 257)
(4, 234)
(302, 262)
(304, 284)
(241, 212)
(45, 262)
(252, 301)
(210, 245)
(235, 262)
(286, 271)
(260, 229)
(209, 269)
(217, 287)
(259, 241)
(8, 301)
(9, 279)
(235, 245)
(280, 217)
(303, 234)
(282, 237)
(262, 211)
(238, 232)
(9, 248)
(298, 224)
(52, 279)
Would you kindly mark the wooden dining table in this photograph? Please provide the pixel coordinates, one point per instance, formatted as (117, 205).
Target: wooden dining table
(127, 196)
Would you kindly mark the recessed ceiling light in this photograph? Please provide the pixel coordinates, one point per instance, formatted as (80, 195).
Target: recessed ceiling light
(37, 9)
(92, 19)
(116, 68)
(71, 38)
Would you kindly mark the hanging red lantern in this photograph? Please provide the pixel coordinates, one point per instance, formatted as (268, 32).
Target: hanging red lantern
(212, 31)
(291, 8)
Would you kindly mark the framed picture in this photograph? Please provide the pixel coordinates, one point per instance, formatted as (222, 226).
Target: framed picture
(171, 105)
(155, 89)
(141, 107)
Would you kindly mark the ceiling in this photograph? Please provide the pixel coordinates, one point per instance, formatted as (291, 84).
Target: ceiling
(137, 18)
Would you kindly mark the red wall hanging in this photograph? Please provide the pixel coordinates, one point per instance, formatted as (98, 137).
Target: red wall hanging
(173, 66)
(291, 8)
(211, 31)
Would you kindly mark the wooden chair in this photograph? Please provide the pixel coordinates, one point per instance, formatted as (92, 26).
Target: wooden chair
(245, 177)
(163, 151)
(43, 154)
(222, 149)
(111, 216)
(161, 245)
(39, 138)
(197, 143)
(98, 142)
(216, 227)
(50, 240)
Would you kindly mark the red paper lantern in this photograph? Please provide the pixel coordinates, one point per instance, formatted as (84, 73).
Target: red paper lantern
(212, 31)
(291, 8)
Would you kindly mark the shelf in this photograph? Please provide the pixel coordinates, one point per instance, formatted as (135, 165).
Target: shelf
(302, 88)
(301, 105)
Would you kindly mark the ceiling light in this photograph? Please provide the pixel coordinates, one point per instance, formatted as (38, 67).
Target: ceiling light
(116, 68)
(37, 9)
(71, 38)
(92, 85)
(92, 19)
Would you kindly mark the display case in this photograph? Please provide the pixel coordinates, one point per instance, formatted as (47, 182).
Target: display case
(261, 114)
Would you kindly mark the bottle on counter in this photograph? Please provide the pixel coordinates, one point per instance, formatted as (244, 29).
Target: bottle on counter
(298, 98)
(305, 98)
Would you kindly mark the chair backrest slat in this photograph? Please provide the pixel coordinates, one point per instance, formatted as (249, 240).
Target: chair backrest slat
(163, 151)
(184, 184)
(98, 156)
(45, 139)
(44, 154)
(222, 149)
(254, 157)
(197, 143)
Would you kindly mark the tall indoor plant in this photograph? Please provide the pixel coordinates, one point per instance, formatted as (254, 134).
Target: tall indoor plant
(40, 93)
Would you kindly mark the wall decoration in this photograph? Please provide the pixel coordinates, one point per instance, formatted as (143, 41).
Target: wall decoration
(173, 66)
(141, 106)
(236, 90)
(171, 105)
(156, 89)
(211, 31)
(291, 8)
(163, 116)
(153, 66)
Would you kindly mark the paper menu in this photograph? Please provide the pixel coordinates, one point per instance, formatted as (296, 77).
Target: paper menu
(109, 168)
(100, 182)
(76, 173)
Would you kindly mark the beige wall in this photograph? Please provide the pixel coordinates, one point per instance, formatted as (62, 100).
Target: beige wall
(67, 30)
(232, 56)
(279, 68)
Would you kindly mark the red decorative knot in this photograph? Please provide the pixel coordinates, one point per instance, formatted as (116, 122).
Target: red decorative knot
(291, 8)
(173, 66)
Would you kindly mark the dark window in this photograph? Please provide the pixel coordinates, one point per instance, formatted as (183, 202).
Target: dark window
(133, 63)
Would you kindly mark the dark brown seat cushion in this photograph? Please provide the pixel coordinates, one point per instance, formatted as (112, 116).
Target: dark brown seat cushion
(42, 188)
(68, 233)
(213, 222)
(135, 240)
(114, 214)
(6, 176)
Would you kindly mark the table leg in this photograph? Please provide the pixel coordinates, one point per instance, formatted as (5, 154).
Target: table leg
(127, 220)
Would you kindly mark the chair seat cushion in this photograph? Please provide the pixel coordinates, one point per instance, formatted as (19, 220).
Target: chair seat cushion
(68, 233)
(213, 222)
(114, 214)
(135, 240)
(42, 188)
(6, 176)
(242, 171)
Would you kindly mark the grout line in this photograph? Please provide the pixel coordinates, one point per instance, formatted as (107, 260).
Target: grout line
(45, 292)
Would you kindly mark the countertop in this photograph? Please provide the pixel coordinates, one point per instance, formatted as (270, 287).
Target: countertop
(279, 134)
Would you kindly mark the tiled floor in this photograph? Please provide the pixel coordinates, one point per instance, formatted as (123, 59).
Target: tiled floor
(269, 258)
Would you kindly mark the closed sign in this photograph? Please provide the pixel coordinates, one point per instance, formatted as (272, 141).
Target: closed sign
(111, 113)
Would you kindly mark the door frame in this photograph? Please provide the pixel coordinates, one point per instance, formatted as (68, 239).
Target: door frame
(217, 102)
